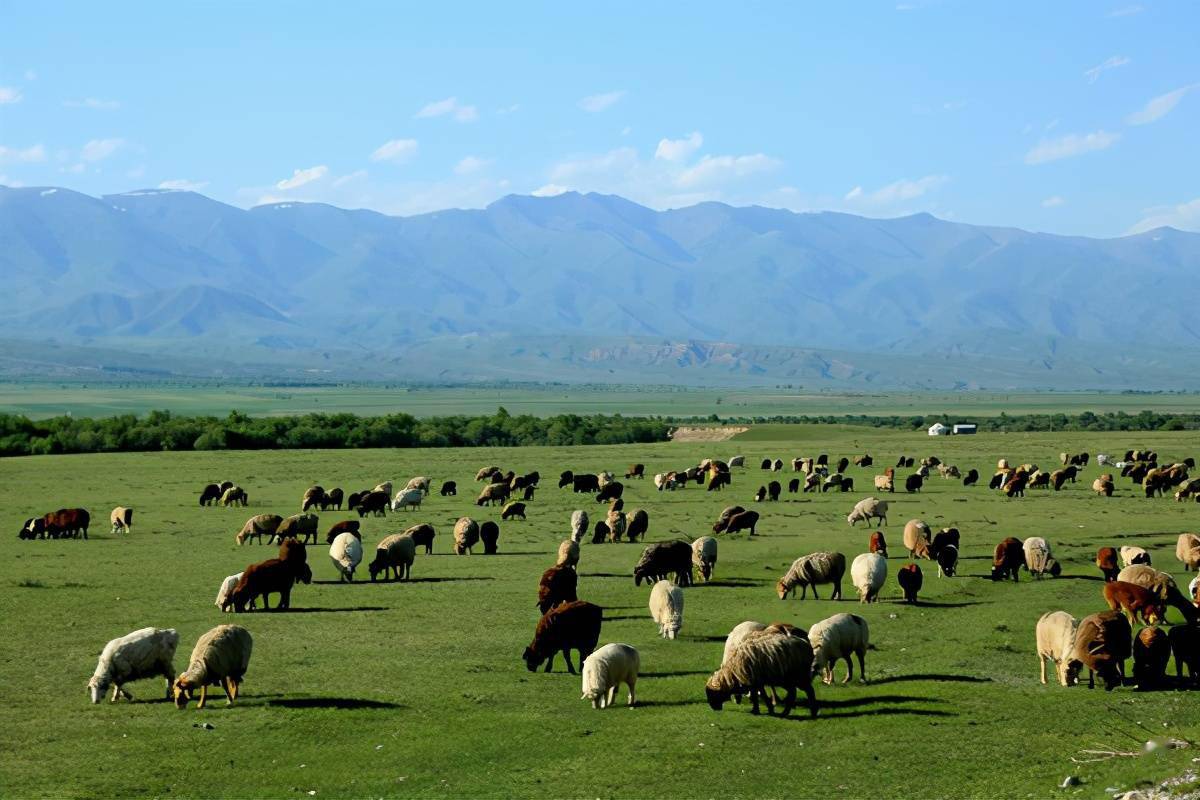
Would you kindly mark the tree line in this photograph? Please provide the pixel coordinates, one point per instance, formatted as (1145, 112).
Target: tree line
(1001, 423)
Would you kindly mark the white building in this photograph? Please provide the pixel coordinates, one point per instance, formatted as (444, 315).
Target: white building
(965, 428)
(938, 429)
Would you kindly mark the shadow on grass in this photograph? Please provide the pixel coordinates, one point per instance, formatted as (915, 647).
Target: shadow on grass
(929, 676)
(735, 582)
(340, 703)
(669, 703)
(676, 674)
(886, 712)
(1078, 578)
(369, 582)
(294, 610)
(934, 604)
(626, 575)
(624, 616)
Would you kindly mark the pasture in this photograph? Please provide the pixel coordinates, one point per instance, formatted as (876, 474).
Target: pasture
(418, 688)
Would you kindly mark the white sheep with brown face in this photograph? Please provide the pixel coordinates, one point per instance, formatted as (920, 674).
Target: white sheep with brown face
(144, 653)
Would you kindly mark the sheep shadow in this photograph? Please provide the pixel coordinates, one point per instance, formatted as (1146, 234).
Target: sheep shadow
(451, 580)
(625, 575)
(622, 617)
(1079, 577)
(929, 676)
(334, 610)
(669, 703)
(338, 703)
(885, 712)
(676, 674)
(935, 604)
(734, 582)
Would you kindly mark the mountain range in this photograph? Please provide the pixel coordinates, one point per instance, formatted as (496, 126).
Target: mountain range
(588, 287)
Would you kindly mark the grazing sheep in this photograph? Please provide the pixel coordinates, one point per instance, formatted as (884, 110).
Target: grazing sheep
(397, 553)
(761, 494)
(635, 471)
(1185, 647)
(1106, 560)
(570, 626)
(662, 560)
(913, 483)
(1007, 559)
(836, 638)
(420, 482)
(638, 522)
(666, 608)
(408, 498)
(868, 572)
(1134, 555)
(493, 494)
(449, 489)
(568, 554)
(1151, 652)
(1103, 486)
(867, 509)
(558, 585)
(910, 579)
(301, 527)
(225, 593)
(422, 535)
(1038, 559)
(486, 473)
(210, 494)
(275, 575)
(220, 657)
(466, 535)
(1015, 485)
(917, 539)
(145, 653)
(765, 658)
(947, 561)
(1102, 643)
(737, 461)
(812, 570)
(1162, 586)
(745, 520)
(832, 482)
(616, 523)
(585, 484)
(579, 525)
(344, 526)
(346, 552)
(704, 556)
(1187, 550)
(600, 532)
(971, 478)
(864, 460)
(878, 544)
(885, 483)
(313, 497)
(489, 535)
(1056, 641)
(234, 496)
(605, 670)
(373, 503)
(513, 511)
(773, 490)
(610, 491)
(723, 520)
(258, 526)
(385, 488)
(121, 519)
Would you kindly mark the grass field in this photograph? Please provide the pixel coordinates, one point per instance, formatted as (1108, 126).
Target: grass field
(418, 689)
(103, 400)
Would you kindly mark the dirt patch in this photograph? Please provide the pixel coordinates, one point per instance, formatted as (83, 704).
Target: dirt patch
(712, 433)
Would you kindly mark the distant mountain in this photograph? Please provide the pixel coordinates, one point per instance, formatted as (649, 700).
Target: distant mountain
(569, 286)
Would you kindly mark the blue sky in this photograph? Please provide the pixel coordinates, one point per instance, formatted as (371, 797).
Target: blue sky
(1071, 117)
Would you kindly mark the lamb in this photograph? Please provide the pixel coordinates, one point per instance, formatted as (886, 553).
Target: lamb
(868, 573)
(1187, 550)
(638, 524)
(225, 593)
(489, 534)
(811, 570)
(1151, 652)
(867, 509)
(1007, 559)
(570, 626)
(664, 559)
(1038, 559)
(1134, 555)
(346, 552)
(568, 554)
(910, 579)
(1102, 643)
(513, 511)
(768, 657)
(395, 552)
(466, 535)
(605, 670)
(838, 637)
(144, 653)
(558, 585)
(579, 525)
(1056, 641)
(220, 657)
(121, 519)
(408, 498)
(1162, 586)
(666, 608)
(878, 544)
(704, 556)
(917, 539)
(1106, 560)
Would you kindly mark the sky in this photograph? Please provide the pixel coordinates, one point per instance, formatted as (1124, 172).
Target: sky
(1066, 117)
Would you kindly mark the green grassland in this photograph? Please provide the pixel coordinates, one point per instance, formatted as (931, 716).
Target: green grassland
(418, 689)
(38, 400)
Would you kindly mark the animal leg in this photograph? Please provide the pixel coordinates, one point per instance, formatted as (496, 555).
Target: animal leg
(116, 693)
(849, 670)
(812, 699)
(631, 685)
(789, 700)
(567, 658)
(203, 696)
(862, 665)
(1042, 667)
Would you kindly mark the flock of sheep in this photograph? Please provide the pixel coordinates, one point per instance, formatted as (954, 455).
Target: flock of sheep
(759, 661)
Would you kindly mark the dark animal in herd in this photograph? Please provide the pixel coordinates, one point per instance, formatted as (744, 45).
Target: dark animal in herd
(570, 626)
(878, 544)
(449, 489)
(611, 491)
(662, 560)
(971, 478)
(635, 471)
(489, 534)
(913, 483)
(65, 523)
(513, 511)
(585, 483)
(793, 485)
(1134, 600)
(423, 535)
(761, 494)
(773, 490)
(373, 503)
(211, 494)
(318, 497)
(273, 576)
(1106, 560)
(1151, 652)
(558, 585)
(1102, 644)
(345, 526)
(638, 524)
(1008, 559)
(910, 580)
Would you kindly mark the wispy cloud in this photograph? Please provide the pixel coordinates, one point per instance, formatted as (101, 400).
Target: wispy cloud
(549, 190)
(599, 102)
(1070, 145)
(894, 193)
(302, 176)
(29, 155)
(100, 149)
(1112, 62)
(679, 149)
(1053, 201)
(605, 165)
(1185, 217)
(94, 103)
(1159, 106)
(440, 108)
(9, 95)
(717, 169)
(470, 164)
(397, 151)
(1126, 11)
(358, 174)
(183, 185)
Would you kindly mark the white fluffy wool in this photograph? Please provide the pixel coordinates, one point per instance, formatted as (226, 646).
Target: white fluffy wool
(606, 669)
(144, 653)
(666, 608)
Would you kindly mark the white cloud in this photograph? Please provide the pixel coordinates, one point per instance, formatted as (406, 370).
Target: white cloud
(470, 164)
(450, 105)
(396, 150)
(614, 162)
(9, 95)
(302, 176)
(679, 149)
(717, 169)
(1185, 217)
(598, 102)
(1053, 201)
(1127, 11)
(94, 103)
(1159, 107)
(183, 185)
(895, 193)
(549, 190)
(100, 149)
(341, 181)
(29, 155)
(1070, 145)
(1112, 62)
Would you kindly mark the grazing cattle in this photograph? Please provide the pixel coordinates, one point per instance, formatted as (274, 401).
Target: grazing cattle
(373, 503)
(635, 471)
(1106, 560)
(585, 483)
(913, 483)
(1008, 559)
(210, 494)
(449, 489)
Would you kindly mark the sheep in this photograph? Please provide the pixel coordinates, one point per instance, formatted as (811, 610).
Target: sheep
(1185, 647)
(343, 526)
(234, 496)
(145, 653)
(420, 482)
(224, 599)
(746, 520)
(408, 498)
(275, 575)
(913, 483)
(833, 482)
(662, 560)
(570, 626)
(486, 473)
(761, 494)
(422, 535)
(736, 636)
(449, 489)
(704, 556)
(257, 526)
(864, 460)
(768, 657)
(121, 519)
(917, 539)
(616, 523)
(1038, 559)
(1187, 550)
(466, 535)
(723, 520)
(737, 461)
(579, 525)
(610, 491)
(663, 482)
(210, 494)
(1106, 560)
(838, 637)
(812, 570)
(971, 478)
(489, 535)
(220, 657)
(910, 579)
(395, 552)
(867, 509)
(1103, 486)
(346, 552)
(558, 585)
(513, 511)
(313, 496)
(948, 471)
(868, 572)
(638, 522)
(298, 526)
(1151, 652)
(385, 488)
(1163, 586)
(666, 608)
(373, 503)
(877, 544)
(605, 670)
(1055, 636)
(1015, 485)
(492, 494)
(884, 483)
(1102, 643)
(1134, 555)
(1007, 559)
(947, 561)
(600, 532)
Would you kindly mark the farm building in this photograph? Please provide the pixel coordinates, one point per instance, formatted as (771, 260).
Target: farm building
(965, 428)
(938, 429)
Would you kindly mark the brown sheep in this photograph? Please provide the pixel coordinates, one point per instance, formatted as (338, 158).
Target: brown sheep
(493, 494)
(1102, 644)
(746, 520)
(638, 524)
(373, 503)
(513, 511)
(1151, 652)
(635, 471)
(259, 525)
(878, 544)
(558, 585)
(422, 535)
(1106, 560)
(275, 575)
(910, 580)
(917, 539)
(313, 496)
(345, 526)
(1008, 559)
(571, 626)
(1134, 600)
(723, 520)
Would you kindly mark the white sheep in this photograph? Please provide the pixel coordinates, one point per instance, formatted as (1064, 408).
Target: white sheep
(220, 658)
(606, 669)
(838, 637)
(1056, 641)
(144, 653)
(1134, 555)
(1038, 559)
(704, 556)
(579, 525)
(868, 573)
(121, 519)
(662, 482)
(867, 509)
(408, 498)
(346, 552)
(568, 554)
(666, 608)
(225, 593)
(420, 482)
(1187, 550)
(385, 487)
